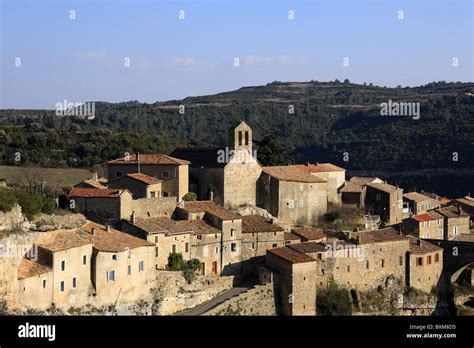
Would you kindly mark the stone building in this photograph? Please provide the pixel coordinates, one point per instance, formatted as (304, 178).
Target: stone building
(418, 203)
(173, 171)
(73, 265)
(467, 205)
(456, 221)
(292, 196)
(227, 176)
(258, 235)
(425, 264)
(140, 185)
(385, 200)
(295, 280)
(354, 190)
(334, 176)
(427, 225)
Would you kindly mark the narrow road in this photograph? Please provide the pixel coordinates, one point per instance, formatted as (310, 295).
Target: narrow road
(202, 308)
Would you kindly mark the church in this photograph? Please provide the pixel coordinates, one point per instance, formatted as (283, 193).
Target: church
(228, 175)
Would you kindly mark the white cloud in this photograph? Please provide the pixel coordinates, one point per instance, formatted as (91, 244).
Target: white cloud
(253, 59)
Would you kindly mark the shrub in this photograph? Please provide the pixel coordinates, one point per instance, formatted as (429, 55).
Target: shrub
(331, 216)
(334, 301)
(176, 262)
(190, 196)
(31, 205)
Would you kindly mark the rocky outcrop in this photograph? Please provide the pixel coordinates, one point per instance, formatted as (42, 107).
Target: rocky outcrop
(252, 210)
(12, 220)
(43, 222)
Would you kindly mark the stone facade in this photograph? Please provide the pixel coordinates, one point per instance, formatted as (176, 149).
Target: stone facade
(137, 188)
(385, 200)
(425, 265)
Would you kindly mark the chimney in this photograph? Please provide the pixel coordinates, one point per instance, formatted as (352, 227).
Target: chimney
(138, 156)
(272, 221)
(132, 219)
(107, 228)
(138, 162)
(93, 231)
(307, 164)
(418, 242)
(95, 176)
(460, 211)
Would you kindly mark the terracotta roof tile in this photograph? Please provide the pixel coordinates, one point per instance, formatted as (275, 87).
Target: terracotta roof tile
(467, 200)
(149, 159)
(257, 223)
(62, 240)
(418, 246)
(147, 179)
(317, 167)
(211, 208)
(169, 226)
(93, 192)
(290, 255)
(308, 247)
(416, 197)
(388, 234)
(289, 173)
(383, 187)
(309, 233)
(30, 268)
(290, 236)
(451, 212)
(423, 217)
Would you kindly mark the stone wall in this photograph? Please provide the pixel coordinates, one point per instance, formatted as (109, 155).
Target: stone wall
(259, 300)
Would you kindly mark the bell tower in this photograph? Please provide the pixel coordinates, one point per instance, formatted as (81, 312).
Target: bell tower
(241, 137)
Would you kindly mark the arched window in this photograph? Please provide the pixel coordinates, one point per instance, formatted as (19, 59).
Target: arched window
(246, 137)
(240, 137)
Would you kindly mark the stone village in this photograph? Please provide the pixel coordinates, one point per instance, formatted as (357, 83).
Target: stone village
(244, 221)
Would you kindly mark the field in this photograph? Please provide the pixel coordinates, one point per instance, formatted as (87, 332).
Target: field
(54, 177)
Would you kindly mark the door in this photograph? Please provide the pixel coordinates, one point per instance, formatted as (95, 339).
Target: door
(203, 268)
(214, 267)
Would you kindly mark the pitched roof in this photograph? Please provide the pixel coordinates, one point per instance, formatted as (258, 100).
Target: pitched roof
(93, 184)
(112, 240)
(383, 187)
(93, 192)
(30, 268)
(149, 159)
(258, 223)
(451, 211)
(290, 255)
(467, 200)
(309, 233)
(169, 226)
(317, 167)
(308, 247)
(383, 235)
(423, 217)
(357, 183)
(62, 240)
(147, 179)
(211, 208)
(288, 173)
(416, 197)
(290, 236)
(418, 246)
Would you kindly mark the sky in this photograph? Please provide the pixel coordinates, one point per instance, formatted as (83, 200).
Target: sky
(145, 50)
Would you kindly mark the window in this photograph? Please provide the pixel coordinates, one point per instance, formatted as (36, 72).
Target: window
(165, 194)
(428, 261)
(367, 264)
(383, 263)
(156, 239)
(217, 250)
(199, 237)
(231, 232)
(400, 260)
(348, 268)
(320, 256)
(274, 245)
(118, 174)
(61, 286)
(419, 261)
(233, 246)
(166, 175)
(290, 204)
(111, 276)
(321, 271)
(455, 230)
(253, 245)
(174, 248)
(301, 187)
(246, 137)
(84, 260)
(141, 266)
(114, 257)
(63, 265)
(153, 194)
(129, 270)
(378, 197)
(156, 251)
(436, 258)
(440, 231)
(44, 283)
(74, 283)
(301, 202)
(186, 247)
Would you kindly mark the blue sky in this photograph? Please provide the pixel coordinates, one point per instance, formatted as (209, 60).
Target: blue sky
(83, 59)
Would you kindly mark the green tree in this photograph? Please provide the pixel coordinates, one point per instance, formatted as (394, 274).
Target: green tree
(190, 196)
(270, 152)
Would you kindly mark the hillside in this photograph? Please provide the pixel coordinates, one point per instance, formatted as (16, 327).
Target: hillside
(330, 119)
